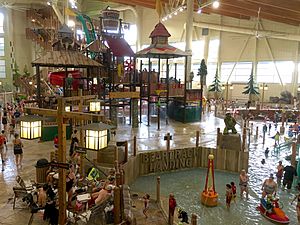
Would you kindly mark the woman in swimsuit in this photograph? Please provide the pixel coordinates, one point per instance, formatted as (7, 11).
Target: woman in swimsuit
(244, 183)
(69, 184)
(269, 186)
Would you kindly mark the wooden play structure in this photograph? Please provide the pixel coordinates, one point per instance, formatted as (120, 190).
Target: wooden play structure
(209, 196)
(156, 89)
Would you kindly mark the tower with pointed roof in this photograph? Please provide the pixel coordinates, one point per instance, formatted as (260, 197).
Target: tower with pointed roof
(160, 35)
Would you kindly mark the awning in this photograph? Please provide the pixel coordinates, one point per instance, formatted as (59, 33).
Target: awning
(119, 47)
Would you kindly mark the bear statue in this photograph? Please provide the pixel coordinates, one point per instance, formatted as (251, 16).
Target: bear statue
(229, 124)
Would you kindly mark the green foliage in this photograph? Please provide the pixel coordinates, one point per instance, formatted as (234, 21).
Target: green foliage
(251, 88)
(202, 72)
(216, 85)
(25, 71)
(16, 74)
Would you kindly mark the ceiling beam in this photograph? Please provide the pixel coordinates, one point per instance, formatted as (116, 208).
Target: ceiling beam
(225, 13)
(291, 5)
(264, 10)
(246, 12)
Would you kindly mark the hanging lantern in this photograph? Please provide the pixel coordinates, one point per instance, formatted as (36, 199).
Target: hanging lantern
(31, 127)
(95, 105)
(68, 108)
(96, 135)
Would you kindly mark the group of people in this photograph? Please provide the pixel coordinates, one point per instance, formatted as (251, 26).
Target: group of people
(9, 116)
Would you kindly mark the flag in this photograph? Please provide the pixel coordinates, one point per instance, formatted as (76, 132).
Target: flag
(158, 8)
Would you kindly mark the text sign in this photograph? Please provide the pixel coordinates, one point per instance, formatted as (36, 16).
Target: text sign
(80, 150)
(125, 94)
(164, 161)
(166, 137)
(60, 165)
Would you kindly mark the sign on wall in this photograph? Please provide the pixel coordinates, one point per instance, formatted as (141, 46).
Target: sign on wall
(164, 161)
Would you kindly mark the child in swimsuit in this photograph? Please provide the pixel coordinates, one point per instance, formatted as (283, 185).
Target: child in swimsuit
(228, 195)
(233, 188)
(146, 200)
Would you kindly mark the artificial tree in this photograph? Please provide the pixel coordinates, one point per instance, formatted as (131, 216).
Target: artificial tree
(251, 89)
(25, 71)
(202, 72)
(216, 85)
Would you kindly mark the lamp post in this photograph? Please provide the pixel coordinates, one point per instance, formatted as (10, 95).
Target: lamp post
(95, 105)
(264, 87)
(31, 127)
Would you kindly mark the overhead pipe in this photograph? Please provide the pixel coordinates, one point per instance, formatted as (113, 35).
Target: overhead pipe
(241, 30)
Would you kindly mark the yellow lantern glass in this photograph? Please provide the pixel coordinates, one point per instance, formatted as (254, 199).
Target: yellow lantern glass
(95, 106)
(31, 129)
(68, 108)
(96, 139)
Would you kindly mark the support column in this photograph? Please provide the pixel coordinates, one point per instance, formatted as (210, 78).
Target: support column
(296, 71)
(189, 34)
(62, 159)
(139, 25)
(134, 113)
(114, 113)
(38, 86)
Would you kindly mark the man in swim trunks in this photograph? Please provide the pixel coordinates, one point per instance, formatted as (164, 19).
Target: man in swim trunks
(269, 187)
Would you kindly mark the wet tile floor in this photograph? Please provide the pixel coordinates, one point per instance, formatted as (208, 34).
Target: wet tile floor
(148, 138)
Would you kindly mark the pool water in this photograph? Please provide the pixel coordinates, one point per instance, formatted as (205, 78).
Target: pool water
(188, 184)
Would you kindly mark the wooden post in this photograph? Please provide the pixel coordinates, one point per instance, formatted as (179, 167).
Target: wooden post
(61, 158)
(244, 139)
(81, 135)
(118, 178)
(281, 129)
(168, 141)
(134, 146)
(197, 138)
(126, 152)
(218, 137)
(117, 205)
(158, 115)
(294, 153)
(251, 128)
(116, 154)
(194, 219)
(158, 190)
(264, 137)
(256, 133)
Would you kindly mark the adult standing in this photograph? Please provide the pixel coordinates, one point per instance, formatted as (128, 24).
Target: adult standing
(4, 119)
(172, 206)
(18, 150)
(298, 203)
(244, 179)
(269, 186)
(74, 142)
(2, 153)
(288, 177)
(279, 173)
(70, 181)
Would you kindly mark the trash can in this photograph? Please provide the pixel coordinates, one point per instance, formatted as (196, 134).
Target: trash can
(42, 165)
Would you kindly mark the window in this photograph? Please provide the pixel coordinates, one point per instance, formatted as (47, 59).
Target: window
(2, 69)
(198, 50)
(266, 71)
(240, 73)
(213, 51)
(179, 45)
(1, 23)
(130, 35)
(1, 46)
(211, 72)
